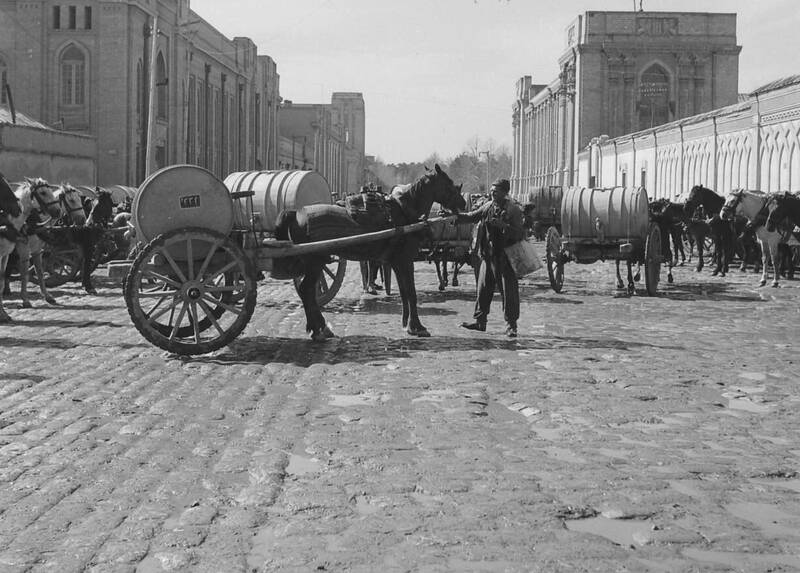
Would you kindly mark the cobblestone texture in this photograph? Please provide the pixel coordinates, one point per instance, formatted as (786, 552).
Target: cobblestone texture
(615, 434)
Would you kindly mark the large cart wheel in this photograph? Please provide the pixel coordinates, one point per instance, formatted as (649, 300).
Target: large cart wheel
(652, 259)
(330, 282)
(191, 291)
(60, 264)
(555, 259)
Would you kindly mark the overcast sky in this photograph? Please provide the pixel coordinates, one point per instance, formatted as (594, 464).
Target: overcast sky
(436, 74)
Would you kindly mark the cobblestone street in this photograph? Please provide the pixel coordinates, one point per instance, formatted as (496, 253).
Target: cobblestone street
(646, 434)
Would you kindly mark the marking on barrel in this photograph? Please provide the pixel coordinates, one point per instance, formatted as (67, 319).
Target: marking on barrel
(190, 201)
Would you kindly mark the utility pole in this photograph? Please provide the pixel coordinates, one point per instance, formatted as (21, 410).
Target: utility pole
(486, 153)
(151, 103)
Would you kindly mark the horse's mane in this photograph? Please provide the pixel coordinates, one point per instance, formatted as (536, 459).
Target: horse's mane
(8, 200)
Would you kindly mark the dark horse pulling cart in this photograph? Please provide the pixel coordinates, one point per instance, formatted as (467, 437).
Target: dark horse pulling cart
(192, 287)
(605, 224)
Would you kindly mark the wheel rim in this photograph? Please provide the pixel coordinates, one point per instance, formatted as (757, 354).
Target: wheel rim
(330, 281)
(195, 305)
(59, 265)
(652, 261)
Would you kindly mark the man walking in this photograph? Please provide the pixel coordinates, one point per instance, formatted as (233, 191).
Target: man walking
(499, 225)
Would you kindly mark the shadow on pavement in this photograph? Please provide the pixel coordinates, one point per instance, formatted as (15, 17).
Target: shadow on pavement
(717, 292)
(363, 349)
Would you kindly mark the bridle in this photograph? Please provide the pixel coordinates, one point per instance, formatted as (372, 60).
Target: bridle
(65, 204)
(43, 205)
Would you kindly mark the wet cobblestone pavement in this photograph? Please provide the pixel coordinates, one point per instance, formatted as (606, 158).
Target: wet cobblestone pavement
(615, 434)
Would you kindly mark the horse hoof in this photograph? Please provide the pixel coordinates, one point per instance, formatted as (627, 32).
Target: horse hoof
(774, 285)
(322, 335)
(91, 291)
(441, 286)
(670, 279)
(50, 300)
(762, 283)
(27, 304)
(455, 282)
(422, 332)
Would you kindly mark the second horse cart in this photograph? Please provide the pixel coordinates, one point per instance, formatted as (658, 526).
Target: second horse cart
(605, 224)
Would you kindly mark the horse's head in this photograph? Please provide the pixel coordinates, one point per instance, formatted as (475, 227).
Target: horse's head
(71, 203)
(692, 200)
(445, 192)
(44, 195)
(732, 202)
(102, 209)
(778, 207)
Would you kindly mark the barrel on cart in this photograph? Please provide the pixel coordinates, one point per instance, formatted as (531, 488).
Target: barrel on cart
(604, 224)
(542, 207)
(192, 287)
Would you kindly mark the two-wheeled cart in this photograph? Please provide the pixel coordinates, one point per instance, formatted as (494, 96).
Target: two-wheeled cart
(192, 287)
(605, 224)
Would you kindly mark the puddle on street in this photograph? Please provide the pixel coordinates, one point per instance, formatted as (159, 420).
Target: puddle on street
(298, 465)
(351, 400)
(624, 532)
(771, 520)
(741, 561)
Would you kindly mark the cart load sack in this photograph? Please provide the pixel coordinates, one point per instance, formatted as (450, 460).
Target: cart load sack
(271, 192)
(604, 216)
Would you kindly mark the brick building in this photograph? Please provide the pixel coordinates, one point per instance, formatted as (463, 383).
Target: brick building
(329, 138)
(621, 72)
(87, 68)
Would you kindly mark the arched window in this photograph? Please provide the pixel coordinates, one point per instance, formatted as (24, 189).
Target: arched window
(3, 81)
(73, 77)
(161, 87)
(654, 94)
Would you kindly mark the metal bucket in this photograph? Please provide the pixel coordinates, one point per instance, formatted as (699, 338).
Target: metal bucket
(605, 215)
(275, 191)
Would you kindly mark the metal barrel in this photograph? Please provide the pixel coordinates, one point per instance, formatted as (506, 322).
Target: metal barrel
(604, 215)
(276, 191)
(181, 196)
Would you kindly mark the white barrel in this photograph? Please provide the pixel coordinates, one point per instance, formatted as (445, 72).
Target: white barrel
(605, 215)
(276, 191)
(181, 196)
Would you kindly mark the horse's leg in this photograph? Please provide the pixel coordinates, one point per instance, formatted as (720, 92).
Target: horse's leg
(631, 286)
(38, 266)
(3, 263)
(764, 262)
(699, 241)
(24, 263)
(315, 321)
(415, 327)
(620, 284)
(402, 287)
(86, 244)
(456, 268)
(774, 248)
(440, 274)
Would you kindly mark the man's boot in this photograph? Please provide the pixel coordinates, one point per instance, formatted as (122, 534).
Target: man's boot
(477, 325)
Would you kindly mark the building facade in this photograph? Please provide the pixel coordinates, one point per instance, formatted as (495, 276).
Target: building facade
(754, 144)
(152, 81)
(621, 72)
(328, 138)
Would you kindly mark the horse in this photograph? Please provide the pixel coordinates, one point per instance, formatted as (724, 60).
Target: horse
(319, 222)
(785, 207)
(35, 197)
(721, 231)
(754, 205)
(89, 235)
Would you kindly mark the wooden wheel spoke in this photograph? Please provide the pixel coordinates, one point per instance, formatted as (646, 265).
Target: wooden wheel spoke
(219, 272)
(189, 259)
(173, 264)
(177, 324)
(153, 315)
(195, 323)
(213, 249)
(210, 315)
(217, 302)
(150, 274)
(326, 269)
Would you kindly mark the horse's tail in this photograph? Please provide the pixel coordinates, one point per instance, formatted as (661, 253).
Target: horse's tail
(286, 267)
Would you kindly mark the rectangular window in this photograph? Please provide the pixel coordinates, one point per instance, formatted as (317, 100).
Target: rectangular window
(72, 86)
(73, 17)
(87, 18)
(56, 17)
